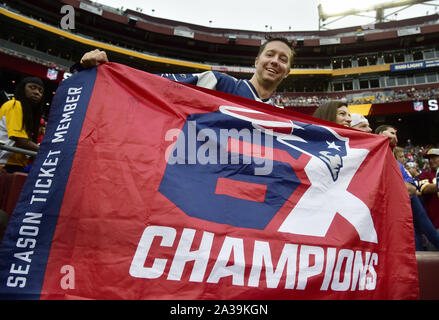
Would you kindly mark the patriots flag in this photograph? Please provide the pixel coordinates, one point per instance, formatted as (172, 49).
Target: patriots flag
(146, 188)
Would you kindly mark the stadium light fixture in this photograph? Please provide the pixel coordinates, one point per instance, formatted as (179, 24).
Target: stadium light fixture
(341, 8)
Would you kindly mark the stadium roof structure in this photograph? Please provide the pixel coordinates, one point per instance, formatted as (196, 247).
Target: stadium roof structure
(204, 45)
(329, 16)
(138, 39)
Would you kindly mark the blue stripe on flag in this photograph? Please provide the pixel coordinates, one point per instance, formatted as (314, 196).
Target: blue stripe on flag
(26, 244)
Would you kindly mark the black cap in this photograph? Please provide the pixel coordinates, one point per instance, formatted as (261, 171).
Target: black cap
(33, 80)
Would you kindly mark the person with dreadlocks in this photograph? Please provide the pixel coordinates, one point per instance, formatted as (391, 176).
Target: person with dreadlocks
(19, 123)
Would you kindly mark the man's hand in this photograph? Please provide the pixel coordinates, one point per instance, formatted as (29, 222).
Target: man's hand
(410, 188)
(93, 58)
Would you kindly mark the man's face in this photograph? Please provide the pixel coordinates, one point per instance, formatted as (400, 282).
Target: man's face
(391, 134)
(434, 162)
(400, 157)
(363, 126)
(33, 92)
(273, 64)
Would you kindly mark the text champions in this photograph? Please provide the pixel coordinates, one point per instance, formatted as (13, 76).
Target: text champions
(252, 263)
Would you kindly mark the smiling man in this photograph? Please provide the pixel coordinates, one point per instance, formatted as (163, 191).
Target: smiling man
(272, 64)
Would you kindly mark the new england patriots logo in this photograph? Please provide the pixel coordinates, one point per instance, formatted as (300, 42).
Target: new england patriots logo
(232, 194)
(314, 140)
(330, 149)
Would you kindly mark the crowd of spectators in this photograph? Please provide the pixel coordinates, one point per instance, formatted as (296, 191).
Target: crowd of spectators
(289, 99)
(415, 155)
(32, 58)
(422, 189)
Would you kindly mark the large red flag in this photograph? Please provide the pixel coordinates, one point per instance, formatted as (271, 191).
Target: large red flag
(145, 188)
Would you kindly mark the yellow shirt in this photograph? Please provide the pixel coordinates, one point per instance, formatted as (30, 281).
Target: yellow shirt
(11, 125)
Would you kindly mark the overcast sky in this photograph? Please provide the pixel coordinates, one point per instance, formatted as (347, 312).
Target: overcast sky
(271, 15)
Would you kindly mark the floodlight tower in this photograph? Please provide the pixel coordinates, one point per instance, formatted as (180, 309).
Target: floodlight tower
(326, 18)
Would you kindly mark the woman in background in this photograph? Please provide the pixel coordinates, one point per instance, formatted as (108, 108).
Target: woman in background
(335, 111)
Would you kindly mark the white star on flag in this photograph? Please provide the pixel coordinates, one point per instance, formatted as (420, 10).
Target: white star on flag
(332, 145)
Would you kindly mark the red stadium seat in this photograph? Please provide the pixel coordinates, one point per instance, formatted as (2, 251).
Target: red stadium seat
(3, 188)
(428, 267)
(11, 185)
